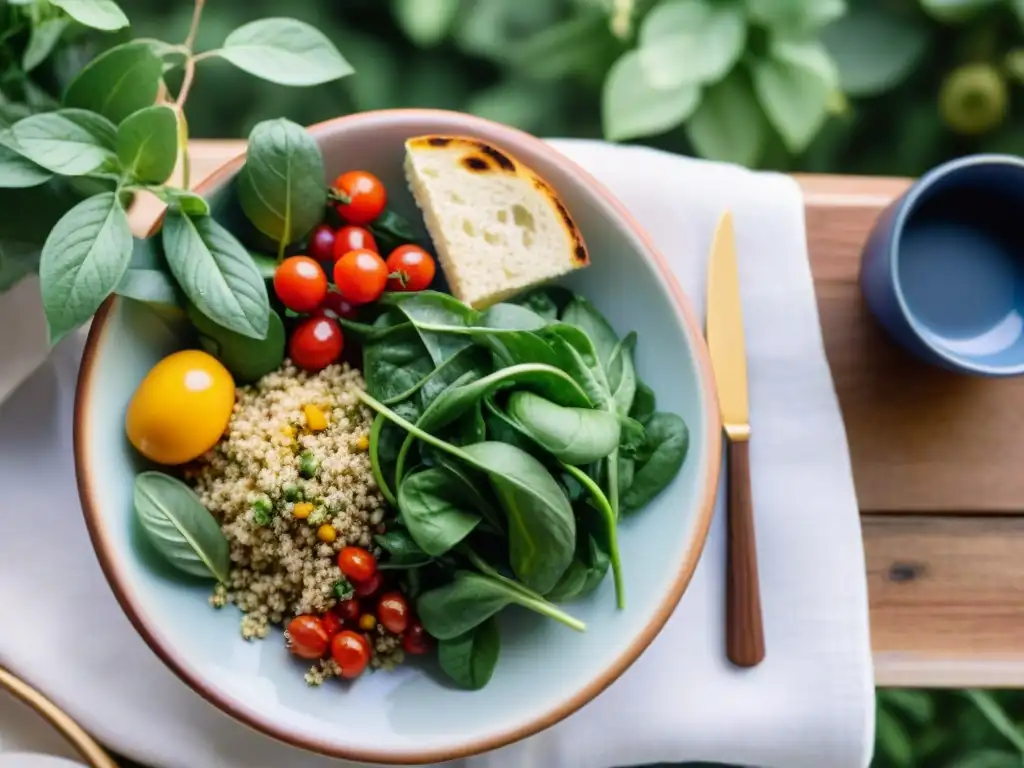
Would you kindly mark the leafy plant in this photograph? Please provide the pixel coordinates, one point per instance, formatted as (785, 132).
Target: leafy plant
(113, 130)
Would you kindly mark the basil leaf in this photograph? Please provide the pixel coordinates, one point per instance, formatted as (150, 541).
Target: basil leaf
(281, 186)
(180, 527)
(16, 170)
(469, 659)
(150, 286)
(248, 359)
(216, 273)
(188, 203)
(118, 82)
(98, 14)
(147, 144)
(83, 260)
(41, 42)
(71, 142)
(285, 51)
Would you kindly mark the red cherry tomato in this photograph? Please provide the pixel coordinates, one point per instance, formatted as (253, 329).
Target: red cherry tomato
(361, 276)
(300, 283)
(321, 244)
(416, 641)
(393, 612)
(316, 343)
(410, 268)
(369, 587)
(348, 610)
(353, 239)
(331, 623)
(307, 637)
(334, 306)
(366, 194)
(357, 563)
(351, 652)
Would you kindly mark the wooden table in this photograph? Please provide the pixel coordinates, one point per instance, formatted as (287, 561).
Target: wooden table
(937, 463)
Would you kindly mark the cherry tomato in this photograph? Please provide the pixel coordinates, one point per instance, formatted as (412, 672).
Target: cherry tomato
(353, 239)
(321, 244)
(357, 563)
(331, 623)
(300, 283)
(334, 306)
(369, 587)
(410, 268)
(416, 641)
(316, 343)
(366, 194)
(348, 610)
(393, 612)
(307, 637)
(351, 652)
(361, 276)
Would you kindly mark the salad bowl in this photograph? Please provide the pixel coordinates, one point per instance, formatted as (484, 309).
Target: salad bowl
(546, 671)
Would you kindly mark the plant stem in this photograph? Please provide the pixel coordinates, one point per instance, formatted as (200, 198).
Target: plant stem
(543, 607)
(197, 12)
(605, 508)
(408, 426)
(386, 492)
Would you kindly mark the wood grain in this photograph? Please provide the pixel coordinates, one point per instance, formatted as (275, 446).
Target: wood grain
(936, 461)
(744, 628)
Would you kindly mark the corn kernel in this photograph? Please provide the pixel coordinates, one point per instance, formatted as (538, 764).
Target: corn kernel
(316, 419)
(363, 444)
(326, 533)
(302, 510)
(367, 622)
(288, 430)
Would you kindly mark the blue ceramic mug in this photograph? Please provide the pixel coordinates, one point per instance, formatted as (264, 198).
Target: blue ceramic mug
(943, 269)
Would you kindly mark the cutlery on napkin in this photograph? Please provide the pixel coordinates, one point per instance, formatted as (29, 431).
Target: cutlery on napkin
(744, 632)
(809, 704)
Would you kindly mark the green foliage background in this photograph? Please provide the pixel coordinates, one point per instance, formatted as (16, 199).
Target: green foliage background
(887, 87)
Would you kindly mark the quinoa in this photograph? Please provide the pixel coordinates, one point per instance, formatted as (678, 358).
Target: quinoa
(269, 460)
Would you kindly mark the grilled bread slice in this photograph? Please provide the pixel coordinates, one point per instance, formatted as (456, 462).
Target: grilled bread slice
(498, 228)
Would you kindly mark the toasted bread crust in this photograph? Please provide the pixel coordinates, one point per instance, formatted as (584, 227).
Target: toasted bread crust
(482, 157)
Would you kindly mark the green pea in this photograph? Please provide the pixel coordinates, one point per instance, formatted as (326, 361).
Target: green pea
(262, 510)
(308, 464)
(292, 492)
(343, 590)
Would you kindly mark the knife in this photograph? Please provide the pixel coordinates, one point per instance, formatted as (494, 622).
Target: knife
(744, 630)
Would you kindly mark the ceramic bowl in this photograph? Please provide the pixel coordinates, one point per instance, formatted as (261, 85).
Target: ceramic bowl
(546, 671)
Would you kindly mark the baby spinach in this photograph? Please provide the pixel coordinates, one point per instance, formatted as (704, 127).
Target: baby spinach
(503, 428)
(396, 363)
(432, 314)
(472, 490)
(658, 460)
(472, 598)
(435, 510)
(622, 374)
(511, 317)
(573, 435)
(248, 359)
(470, 658)
(608, 518)
(179, 526)
(644, 403)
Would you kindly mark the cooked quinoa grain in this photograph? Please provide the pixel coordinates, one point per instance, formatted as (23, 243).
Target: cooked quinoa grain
(290, 494)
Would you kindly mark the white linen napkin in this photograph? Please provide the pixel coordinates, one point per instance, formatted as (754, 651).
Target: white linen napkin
(810, 703)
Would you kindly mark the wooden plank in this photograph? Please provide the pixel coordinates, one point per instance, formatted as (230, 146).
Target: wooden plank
(947, 600)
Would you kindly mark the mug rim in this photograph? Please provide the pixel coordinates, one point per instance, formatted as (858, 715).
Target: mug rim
(907, 205)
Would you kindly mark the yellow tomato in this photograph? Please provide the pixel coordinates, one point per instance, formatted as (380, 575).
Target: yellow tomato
(181, 408)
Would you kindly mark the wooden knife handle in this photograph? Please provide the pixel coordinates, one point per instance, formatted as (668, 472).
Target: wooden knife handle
(744, 630)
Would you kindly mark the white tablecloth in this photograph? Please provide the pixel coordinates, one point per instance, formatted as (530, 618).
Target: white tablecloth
(809, 704)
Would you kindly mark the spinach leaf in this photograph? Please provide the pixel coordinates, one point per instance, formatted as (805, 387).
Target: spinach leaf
(644, 403)
(396, 363)
(402, 549)
(622, 374)
(511, 317)
(434, 316)
(579, 312)
(573, 435)
(180, 527)
(472, 598)
(469, 659)
(627, 468)
(248, 359)
(632, 436)
(501, 427)
(472, 359)
(586, 572)
(658, 461)
(391, 230)
(386, 441)
(608, 528)
(471, 427)
(281, 186)
(547, 302)
(434, 510)
(216, 273)
(472, 490)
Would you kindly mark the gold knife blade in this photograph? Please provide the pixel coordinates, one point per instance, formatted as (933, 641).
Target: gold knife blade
(725, 331)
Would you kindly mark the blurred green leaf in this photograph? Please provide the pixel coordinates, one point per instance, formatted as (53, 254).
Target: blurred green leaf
(988, 758)
(892, 739)
(522, 104)
(874, 50)
(794, 86)
(691, 41)
(795, 15)
(633, 107)
(98, 14)
(41, 42)
(118, 82)
(564, 49)
(425, 22)
(956, 10)
(997, 717)
(729, 125)
(286, 51)
(917, 705)
(487, 28)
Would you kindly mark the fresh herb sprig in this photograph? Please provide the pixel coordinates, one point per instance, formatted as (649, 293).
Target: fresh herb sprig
(116, 133)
